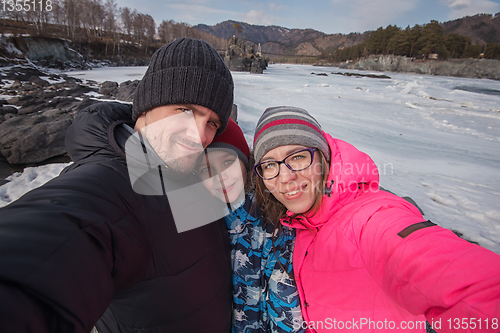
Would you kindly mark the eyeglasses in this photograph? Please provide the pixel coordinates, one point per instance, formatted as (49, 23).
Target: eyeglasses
(296, 161)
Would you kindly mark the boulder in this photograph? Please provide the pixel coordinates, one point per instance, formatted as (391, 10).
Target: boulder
(107, 87)
(27, 110)
(13, 100)
(37, 81)
(125, 92)
(33, 138)
(7, 109)
(258, 65)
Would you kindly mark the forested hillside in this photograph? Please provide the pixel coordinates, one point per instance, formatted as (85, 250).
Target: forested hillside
(465, 37)
(97, 28)
(430, 40)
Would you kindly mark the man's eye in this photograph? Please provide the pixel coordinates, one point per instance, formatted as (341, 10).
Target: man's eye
(214, 124)
(203, 170)
(187, 111)
(228, 162)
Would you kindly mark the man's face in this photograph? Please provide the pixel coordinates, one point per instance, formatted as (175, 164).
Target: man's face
(179, 133)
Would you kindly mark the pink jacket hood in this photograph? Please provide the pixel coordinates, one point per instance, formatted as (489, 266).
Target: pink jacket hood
(351, 173)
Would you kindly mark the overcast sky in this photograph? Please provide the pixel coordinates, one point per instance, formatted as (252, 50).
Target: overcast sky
(329, 16)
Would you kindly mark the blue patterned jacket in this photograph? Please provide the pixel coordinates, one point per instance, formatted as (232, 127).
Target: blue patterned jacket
(265, 297)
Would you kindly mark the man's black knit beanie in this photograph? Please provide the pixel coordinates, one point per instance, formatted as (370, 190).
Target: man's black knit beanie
(186, 71)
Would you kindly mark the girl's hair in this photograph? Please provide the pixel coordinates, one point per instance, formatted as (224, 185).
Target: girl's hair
(250, 183)
(273, 210)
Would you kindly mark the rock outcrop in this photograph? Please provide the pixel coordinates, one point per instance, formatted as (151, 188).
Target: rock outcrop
(51, 52)
(470, 68)
(244, 58)
(34, 121)
(59, 53)
(37, 108)
(46, 52)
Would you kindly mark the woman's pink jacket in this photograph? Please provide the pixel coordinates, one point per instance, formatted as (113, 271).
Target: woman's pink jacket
(365, 262)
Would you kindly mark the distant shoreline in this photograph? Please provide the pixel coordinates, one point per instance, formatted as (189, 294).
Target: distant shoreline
(465, 68)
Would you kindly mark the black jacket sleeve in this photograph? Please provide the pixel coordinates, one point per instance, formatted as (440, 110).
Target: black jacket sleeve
(67, 247)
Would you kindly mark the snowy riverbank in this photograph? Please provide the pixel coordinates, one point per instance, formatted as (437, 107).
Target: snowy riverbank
(435, 139)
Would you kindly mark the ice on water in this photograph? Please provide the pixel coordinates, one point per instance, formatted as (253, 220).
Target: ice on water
(435, 139)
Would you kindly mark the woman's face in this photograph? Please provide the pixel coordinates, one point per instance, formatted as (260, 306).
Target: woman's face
(297, 190)
(223, 175)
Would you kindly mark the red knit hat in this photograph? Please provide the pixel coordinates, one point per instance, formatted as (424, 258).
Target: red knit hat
(232, 138)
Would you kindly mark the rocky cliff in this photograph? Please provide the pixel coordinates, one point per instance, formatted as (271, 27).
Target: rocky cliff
(470, 68)
(64, 54)
(244, 57)
(47, 52)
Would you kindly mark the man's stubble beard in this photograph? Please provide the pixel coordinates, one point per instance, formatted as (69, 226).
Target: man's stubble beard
(183, 164)
(168, 147)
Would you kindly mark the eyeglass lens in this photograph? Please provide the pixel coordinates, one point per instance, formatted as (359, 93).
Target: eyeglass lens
(296, 161)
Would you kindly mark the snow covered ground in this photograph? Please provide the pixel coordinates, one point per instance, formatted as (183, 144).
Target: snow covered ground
(435, 139)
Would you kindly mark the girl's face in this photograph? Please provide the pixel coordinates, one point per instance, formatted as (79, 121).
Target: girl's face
(297, 190)
(223, 175)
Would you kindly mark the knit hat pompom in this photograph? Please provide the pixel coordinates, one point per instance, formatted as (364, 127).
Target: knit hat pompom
(186, 71)
(234, 140)
(288, 125)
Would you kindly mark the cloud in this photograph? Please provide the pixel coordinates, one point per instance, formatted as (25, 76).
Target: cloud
(376, 13)
(197, 12)
(259, 17)
(461, 8)
(274, 7)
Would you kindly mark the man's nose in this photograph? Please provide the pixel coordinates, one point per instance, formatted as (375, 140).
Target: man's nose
(195, 132)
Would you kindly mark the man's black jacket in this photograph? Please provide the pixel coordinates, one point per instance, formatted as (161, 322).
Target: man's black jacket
(85, 244)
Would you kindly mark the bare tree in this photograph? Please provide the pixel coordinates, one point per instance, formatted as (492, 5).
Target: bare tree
(139, 27)
(72, 18)
(110, 24)
(94, 14)
(165, 31)
(127, 18)
(150, 31)
(58, 16)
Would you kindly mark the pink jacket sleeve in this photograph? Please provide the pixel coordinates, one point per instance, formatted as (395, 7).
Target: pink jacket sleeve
(431, 271)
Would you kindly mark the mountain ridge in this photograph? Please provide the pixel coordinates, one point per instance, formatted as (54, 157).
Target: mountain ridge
(276, 40)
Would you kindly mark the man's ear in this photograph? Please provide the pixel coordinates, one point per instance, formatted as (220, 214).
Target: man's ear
(140, 122)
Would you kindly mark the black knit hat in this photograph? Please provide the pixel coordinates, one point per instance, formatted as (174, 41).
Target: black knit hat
(186, 71)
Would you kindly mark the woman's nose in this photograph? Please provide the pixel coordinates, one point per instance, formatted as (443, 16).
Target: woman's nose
(286, 174)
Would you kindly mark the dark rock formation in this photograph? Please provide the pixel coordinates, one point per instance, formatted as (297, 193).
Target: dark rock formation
(34, 121)
(373, 76)
(61, 54)
(123, 92)
(241, 57)
(107, 87)
(35, 137)
(50, 52)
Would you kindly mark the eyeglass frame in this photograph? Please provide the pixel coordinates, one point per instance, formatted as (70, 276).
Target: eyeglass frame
(311, 150)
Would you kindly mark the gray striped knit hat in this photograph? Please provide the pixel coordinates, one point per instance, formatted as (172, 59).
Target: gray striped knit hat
(186, 71)
(288, 125)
